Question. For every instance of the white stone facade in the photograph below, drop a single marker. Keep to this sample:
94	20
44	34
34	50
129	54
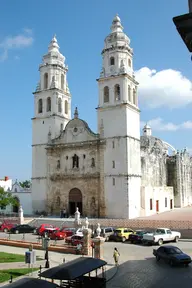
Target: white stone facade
108	174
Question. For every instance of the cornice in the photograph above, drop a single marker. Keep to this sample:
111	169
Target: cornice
124	175
62	176
118	105
118	76
52	89
62	146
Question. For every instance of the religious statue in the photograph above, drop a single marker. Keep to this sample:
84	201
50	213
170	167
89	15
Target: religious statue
98	230
86	223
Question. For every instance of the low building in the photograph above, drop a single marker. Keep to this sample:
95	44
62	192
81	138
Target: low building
22	195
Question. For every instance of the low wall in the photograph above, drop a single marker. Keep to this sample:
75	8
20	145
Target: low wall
22	244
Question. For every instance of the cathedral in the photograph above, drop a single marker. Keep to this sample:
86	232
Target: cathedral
114	173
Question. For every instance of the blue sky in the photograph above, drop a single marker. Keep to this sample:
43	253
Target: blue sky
81	26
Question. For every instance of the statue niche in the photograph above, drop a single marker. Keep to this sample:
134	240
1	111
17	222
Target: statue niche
75	159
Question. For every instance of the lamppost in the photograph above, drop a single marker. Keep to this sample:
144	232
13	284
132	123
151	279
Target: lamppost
183	24
46	247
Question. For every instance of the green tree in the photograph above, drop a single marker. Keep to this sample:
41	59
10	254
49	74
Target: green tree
6	198
25	184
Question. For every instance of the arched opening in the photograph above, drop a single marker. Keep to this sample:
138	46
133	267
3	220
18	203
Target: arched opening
129	93
106	94
134	97
48	104
129	62
46	81
117	92
40	106
16	206
75	161
112	61
59	105
75	200
62	81
61	127
66	107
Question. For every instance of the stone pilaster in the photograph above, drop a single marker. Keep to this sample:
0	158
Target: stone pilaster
87	249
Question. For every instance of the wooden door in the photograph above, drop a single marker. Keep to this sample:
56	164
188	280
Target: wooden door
157	205
171	204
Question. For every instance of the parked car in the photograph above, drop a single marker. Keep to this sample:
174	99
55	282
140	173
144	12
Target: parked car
25	228
6	226
160	236
74	240
41	229
172	255
138	236
106	232
121	234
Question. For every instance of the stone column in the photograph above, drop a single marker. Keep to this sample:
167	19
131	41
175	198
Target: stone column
98	244
77	221
21	218
87	249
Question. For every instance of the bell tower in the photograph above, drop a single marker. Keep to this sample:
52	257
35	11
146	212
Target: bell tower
52	111
119	123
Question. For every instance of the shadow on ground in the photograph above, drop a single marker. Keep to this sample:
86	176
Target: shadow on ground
149	274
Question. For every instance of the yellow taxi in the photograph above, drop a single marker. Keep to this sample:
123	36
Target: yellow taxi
123	234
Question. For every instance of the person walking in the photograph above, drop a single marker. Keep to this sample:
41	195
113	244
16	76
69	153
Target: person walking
116	255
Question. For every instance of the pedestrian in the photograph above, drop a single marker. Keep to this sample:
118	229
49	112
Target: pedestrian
64	213
116	255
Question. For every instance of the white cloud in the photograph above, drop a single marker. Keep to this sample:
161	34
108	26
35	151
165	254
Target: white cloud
166	88
157	124
28	30
14	42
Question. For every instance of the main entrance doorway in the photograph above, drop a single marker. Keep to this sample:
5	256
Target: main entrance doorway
75	200
16	206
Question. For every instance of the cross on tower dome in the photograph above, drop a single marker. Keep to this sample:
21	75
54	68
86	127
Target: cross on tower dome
76	114
53	46
116	24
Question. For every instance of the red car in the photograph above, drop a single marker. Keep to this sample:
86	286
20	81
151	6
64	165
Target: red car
62	233
74	240
46	228
6	226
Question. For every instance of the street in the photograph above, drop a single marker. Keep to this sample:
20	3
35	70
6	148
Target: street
138	267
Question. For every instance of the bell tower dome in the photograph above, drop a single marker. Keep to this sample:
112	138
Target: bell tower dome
119	124
52	111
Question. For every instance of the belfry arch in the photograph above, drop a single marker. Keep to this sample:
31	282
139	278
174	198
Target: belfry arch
75	200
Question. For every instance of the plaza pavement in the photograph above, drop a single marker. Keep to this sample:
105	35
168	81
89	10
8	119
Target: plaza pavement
137	268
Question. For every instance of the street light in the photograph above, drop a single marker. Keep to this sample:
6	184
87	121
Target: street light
183	24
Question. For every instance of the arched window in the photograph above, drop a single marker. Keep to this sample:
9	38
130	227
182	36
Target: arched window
59	105
58	202
40	106
129	93
134	97
112	61
61	127
129	62
46	81
92	162
62	81
106	94
117	92
75	161
58	164
48	104
66	107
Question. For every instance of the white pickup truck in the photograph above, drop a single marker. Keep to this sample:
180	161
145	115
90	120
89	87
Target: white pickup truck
160	236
